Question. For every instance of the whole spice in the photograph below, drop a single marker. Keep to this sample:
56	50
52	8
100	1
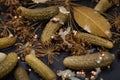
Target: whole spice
9	2
50	50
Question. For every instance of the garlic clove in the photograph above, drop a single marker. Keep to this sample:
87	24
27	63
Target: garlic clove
2	56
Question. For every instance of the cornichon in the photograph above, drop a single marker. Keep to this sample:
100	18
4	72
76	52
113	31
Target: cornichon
52	27
8	64
39	67
21	74
103	5
89	61
7	42
38	14
95	40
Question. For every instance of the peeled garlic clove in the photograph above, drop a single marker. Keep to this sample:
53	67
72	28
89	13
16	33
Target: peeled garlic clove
2	56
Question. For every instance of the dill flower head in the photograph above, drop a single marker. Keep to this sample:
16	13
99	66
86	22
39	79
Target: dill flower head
9	2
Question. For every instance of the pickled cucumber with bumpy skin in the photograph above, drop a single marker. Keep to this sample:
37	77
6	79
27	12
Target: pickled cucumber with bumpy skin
8	64
103	5
7	42
38	14
39	67
95	40
89	61
21	74
52	27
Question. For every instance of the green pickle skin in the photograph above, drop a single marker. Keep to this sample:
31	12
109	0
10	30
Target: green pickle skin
88	61
21	73
7	42
51	27
8	64
95	40
39	13
39	67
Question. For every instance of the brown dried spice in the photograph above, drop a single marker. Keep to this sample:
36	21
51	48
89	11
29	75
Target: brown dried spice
47	49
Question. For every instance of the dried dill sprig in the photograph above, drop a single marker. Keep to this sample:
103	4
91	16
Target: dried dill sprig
27	48
9	2
23	33
79	45
11	5
117	23
5	30
33	46
116	2
72	43
16	21
18	26
22	28
49	50
114	18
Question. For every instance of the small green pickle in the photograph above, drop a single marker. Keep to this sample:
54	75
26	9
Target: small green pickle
8	64
7	42
89	61
39	67
21	74
39	13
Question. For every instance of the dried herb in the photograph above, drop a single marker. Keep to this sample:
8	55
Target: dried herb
9	2
87	18
49	50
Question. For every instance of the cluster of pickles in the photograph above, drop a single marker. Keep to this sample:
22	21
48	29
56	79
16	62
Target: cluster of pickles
95	32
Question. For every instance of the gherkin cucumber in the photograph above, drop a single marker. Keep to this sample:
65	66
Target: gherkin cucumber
95	40
21	73
8	64
38	14
7	42
52	27
39	67
89	61
103	5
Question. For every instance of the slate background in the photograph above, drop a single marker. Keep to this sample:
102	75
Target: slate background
107	74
